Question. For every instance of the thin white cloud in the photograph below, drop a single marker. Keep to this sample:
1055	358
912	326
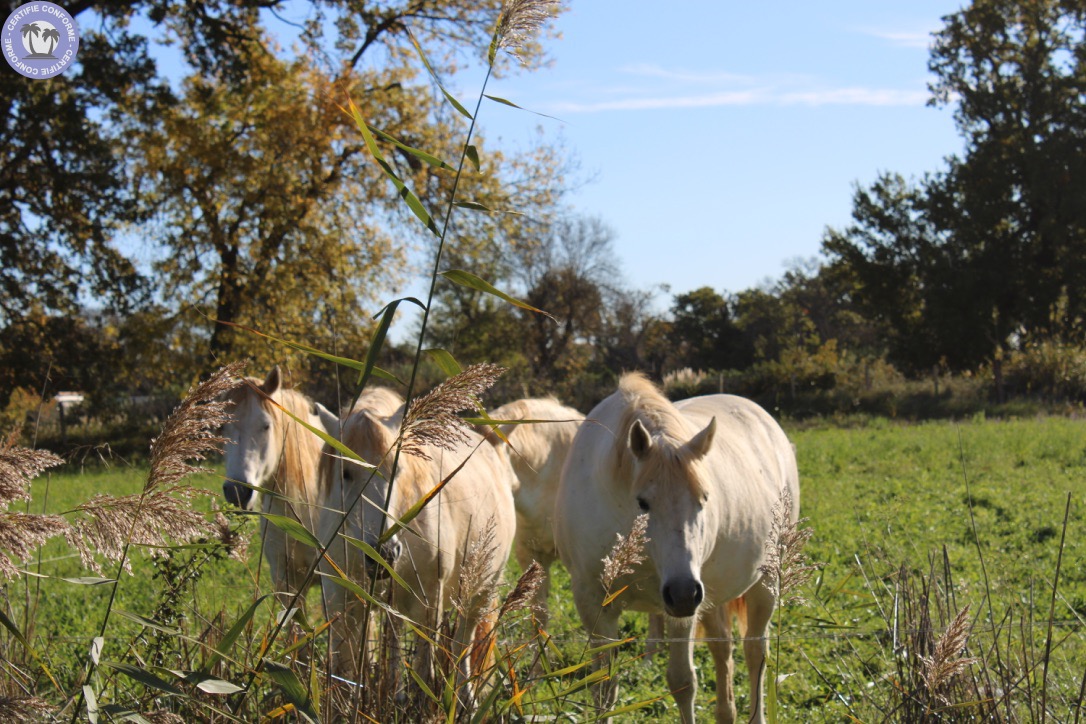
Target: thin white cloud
920	39
765	96
649	70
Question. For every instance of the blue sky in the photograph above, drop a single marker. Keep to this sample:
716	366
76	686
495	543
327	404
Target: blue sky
723	137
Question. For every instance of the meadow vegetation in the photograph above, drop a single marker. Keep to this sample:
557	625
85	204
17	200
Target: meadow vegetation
890	505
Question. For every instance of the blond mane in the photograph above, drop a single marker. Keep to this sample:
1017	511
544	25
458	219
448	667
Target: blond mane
643	401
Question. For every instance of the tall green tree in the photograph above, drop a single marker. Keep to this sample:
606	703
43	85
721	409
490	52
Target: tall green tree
976	257
703	333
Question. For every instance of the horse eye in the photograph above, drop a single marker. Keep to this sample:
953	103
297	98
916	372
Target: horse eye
347	475
267	426
642	504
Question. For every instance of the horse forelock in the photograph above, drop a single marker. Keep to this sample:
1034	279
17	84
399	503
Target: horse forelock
669	429
371	437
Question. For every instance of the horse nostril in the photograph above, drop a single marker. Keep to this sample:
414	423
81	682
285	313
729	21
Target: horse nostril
235	494
682	598
669	601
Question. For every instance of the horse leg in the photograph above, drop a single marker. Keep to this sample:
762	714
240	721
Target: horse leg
656	636
760	602
602	626
718	628
682	679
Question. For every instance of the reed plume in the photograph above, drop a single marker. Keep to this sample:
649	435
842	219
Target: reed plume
476	584
944	665
518	25
523	594
432	420
163	511
22	533
626	554
785	558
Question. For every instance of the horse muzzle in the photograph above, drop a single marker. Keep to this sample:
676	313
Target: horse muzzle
682	596
237	494
390	552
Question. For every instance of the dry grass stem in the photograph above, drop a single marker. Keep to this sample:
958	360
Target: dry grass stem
432	418
519	23
21	534
190	432
945	664
785	558
20	709
626	554
523	594
18	466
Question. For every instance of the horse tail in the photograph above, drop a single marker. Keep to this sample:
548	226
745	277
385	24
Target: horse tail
738	608
482	646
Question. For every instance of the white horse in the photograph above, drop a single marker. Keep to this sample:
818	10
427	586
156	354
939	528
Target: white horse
272	465
471	518
708	472
538	453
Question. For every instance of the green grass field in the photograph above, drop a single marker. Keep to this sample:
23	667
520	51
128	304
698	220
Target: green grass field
889	506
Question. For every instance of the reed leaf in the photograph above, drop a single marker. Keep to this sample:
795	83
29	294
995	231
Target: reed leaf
145	677
430	69
228	639
469	280
413	202
292	687
291	527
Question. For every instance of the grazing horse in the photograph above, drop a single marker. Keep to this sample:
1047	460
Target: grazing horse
272	465
468	525
537	455
708	472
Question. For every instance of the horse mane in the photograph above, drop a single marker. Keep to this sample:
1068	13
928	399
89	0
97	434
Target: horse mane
381	401
643	401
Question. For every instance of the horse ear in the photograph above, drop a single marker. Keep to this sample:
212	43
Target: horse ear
273	381
701	443
639	440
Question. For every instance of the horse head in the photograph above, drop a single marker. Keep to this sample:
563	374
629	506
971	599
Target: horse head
371	436
668	485
255	448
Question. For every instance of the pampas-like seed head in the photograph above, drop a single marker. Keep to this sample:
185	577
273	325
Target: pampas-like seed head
18	466
190	431
523	594
945	664
21	534
233	540
154	519
518	24
432	418
626	554
785	566
163	512
476	584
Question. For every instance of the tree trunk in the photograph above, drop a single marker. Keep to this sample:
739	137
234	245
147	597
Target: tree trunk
221	346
